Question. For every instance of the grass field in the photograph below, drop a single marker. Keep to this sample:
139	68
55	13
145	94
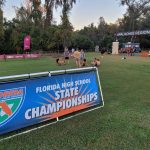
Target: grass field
123	123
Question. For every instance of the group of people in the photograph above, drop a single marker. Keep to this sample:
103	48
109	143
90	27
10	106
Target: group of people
79	57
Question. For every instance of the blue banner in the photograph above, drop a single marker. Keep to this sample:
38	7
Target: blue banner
28	102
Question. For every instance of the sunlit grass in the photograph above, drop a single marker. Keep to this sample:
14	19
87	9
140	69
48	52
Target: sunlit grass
124	122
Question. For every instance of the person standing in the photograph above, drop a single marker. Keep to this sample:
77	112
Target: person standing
82	58
66	54
82	55
76	55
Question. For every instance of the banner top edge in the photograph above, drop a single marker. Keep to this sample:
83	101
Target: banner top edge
45	73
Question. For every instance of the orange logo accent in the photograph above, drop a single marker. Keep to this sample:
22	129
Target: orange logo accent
5	108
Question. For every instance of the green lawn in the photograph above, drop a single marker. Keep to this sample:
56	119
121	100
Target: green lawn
123	123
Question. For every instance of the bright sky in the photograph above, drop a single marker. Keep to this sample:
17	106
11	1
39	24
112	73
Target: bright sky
83	13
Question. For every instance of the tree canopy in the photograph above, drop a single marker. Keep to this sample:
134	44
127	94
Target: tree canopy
36	19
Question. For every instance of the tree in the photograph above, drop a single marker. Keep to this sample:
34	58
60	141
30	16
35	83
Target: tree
82	41
36	13
102	31
1	18
1	23
49	5
136	9
66	26
91	33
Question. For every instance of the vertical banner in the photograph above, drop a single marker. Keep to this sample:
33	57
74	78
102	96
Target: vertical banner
27	42
35	100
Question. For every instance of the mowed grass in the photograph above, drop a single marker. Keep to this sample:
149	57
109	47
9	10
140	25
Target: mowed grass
123	123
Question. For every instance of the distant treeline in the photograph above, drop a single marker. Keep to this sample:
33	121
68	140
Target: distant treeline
37	20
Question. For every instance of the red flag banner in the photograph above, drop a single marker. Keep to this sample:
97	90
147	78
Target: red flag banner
27	41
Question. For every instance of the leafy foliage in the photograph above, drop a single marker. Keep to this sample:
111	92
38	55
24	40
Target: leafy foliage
36	20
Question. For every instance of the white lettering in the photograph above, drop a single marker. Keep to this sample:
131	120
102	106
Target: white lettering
47	88
61	105
43	111
66	93
51	108
85	81
27	114
35	112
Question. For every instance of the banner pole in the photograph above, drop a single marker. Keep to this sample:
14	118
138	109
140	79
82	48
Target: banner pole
100	85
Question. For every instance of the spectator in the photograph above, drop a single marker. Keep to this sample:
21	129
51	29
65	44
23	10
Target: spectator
66	54
60	61
95	62
76	55
82	56
84	62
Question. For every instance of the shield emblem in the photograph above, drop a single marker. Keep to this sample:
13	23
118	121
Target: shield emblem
11	101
